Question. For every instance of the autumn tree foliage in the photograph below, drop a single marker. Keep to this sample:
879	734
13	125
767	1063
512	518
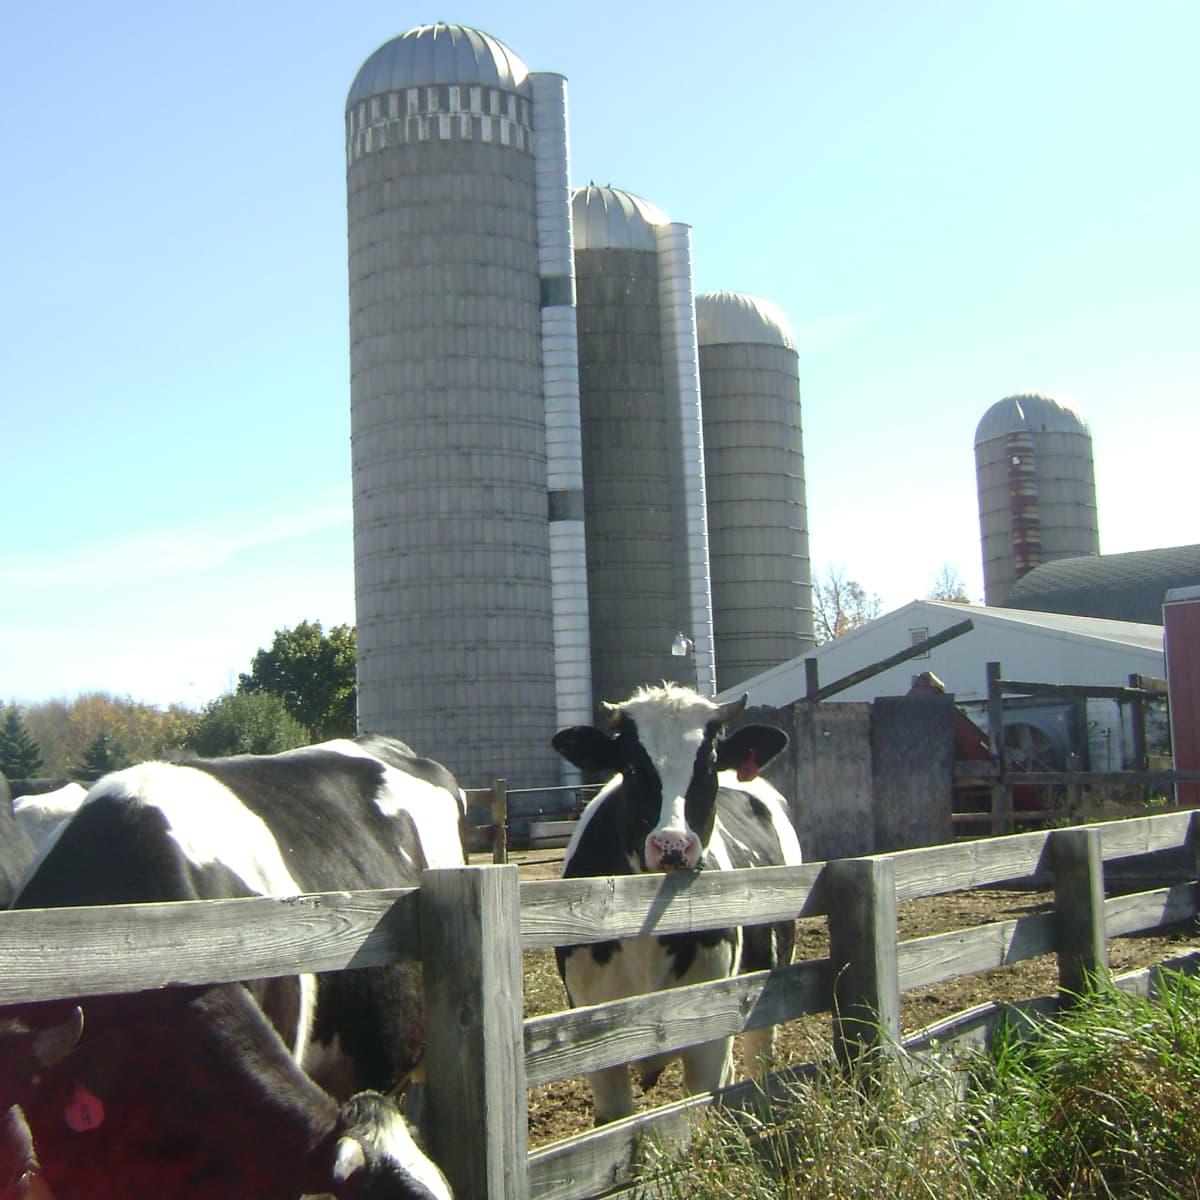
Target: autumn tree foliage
840	604
65	729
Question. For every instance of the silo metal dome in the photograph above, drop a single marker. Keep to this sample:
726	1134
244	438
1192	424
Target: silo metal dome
434	54
733	318
1037	488
754	472
448	423
609	219
1031	412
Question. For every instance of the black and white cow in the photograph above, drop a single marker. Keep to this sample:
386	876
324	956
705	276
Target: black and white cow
683	797
269	1090
42	811
16	848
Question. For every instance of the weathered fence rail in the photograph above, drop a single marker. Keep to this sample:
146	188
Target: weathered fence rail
469	926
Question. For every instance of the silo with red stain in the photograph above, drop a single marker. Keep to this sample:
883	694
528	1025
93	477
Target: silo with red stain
1037	489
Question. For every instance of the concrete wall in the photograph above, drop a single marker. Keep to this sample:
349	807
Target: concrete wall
912	754
865	778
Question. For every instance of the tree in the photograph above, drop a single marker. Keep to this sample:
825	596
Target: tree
103	755
20	755
313	674
65	729
949	586
240	723
841	604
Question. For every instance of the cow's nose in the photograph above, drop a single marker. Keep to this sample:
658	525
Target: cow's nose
672	850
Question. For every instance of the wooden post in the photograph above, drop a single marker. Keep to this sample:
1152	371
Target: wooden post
862	956
1137	719
1002	798
475	1050
500	821
1082	941
812	678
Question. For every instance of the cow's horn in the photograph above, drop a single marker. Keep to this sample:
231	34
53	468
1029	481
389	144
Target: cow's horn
52	1045
348	1158
726	712
612	712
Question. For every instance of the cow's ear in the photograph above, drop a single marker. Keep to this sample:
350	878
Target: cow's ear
749	749
588	748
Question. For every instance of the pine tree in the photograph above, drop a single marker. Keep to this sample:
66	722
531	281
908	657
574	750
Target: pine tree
20	755
103	755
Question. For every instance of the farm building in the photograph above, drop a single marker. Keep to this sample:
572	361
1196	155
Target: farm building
1046	647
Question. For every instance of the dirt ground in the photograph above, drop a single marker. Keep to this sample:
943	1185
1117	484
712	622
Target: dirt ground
563	1108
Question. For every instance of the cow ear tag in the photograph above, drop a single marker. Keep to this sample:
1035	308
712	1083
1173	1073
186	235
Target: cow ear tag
85	1111
749	768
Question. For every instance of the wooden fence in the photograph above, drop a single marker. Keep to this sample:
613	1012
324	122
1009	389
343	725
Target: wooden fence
470	925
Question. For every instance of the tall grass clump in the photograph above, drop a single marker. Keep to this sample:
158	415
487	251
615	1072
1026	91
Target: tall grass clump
1103	1101
1100	1102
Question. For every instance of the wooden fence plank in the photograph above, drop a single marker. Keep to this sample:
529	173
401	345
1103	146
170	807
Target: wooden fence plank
564	912
941	956
62	952
1149	910
934	870
605	1035
1145	835
471	955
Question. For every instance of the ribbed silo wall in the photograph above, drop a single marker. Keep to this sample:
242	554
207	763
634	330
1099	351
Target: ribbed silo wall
452	578
630	440
757	512
1037	503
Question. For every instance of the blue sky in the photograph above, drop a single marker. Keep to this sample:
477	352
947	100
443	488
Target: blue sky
952	201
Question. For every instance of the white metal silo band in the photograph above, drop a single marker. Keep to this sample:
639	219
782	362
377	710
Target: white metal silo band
678	305
560	390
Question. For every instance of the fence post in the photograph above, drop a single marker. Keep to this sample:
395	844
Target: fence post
862	956
500	821
1082	940
1002	797
475	1048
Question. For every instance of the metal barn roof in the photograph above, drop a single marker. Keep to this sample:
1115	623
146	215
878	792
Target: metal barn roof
1123	587
1033	646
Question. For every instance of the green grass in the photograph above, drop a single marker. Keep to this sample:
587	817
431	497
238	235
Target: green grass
1103	1102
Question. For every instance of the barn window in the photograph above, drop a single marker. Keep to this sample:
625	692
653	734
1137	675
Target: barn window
916	637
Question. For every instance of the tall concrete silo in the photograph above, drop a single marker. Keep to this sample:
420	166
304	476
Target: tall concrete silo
462	352
643	453
754	468
1037	489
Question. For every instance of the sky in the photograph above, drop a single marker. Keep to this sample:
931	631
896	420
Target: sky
952	201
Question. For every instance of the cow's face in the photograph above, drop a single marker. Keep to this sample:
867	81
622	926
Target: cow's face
667	744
